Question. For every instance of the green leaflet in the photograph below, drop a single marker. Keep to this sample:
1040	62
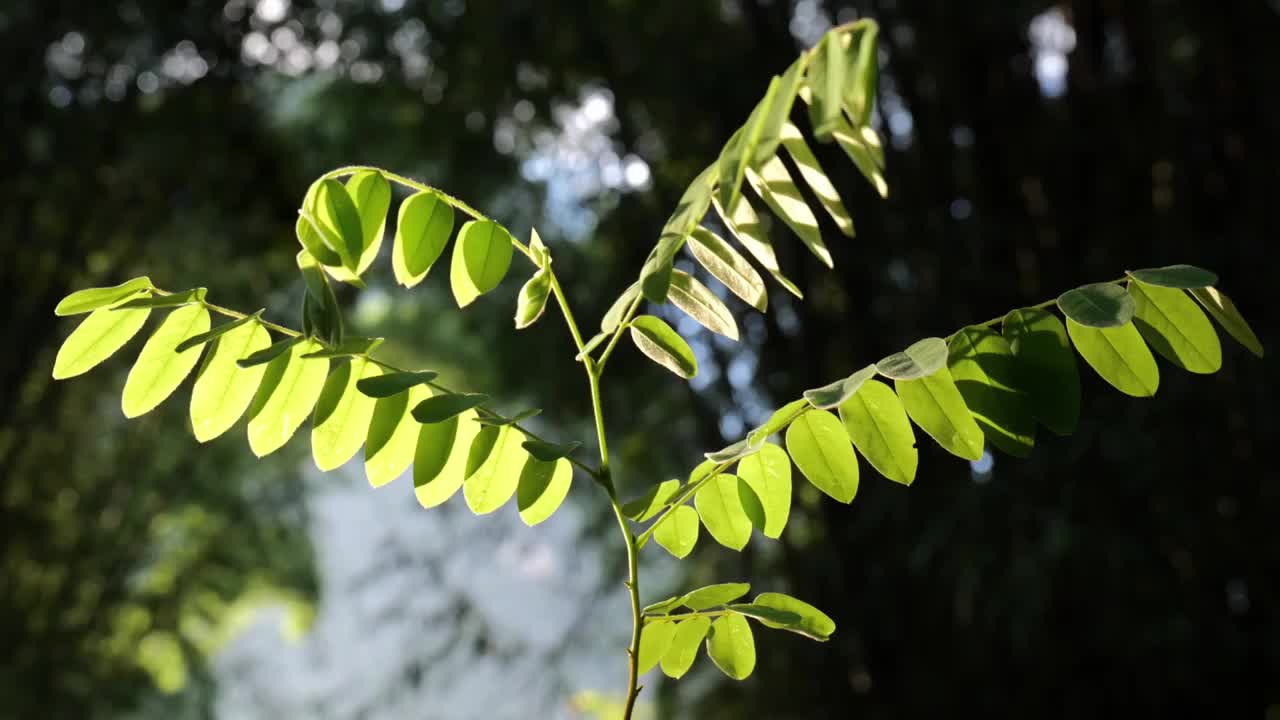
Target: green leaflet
289	390
862	145
321	315
860	94
820	447
1176	328
533	299
96	339
89	299
729	267
683	649
481	258
679	533
493	483
438	408
215	333
780	419
878	426
652	502
983	366
590	346
547	452
732	647
1119	355
160	369
272	351
392	438
711	596
835	394
349	347
768	474
655	638
720	505
333	206
422	230
172	300
780	618
613	316
1182	277
1098	305
739	153
663	345
393	383
662	607
542	488
735	451
813	622
371	194
744	224
342	415
826	83
701	304
1046	368
1225	312
440	460
774	184
935	404
779	110
922	358
655	275
223	389
816	178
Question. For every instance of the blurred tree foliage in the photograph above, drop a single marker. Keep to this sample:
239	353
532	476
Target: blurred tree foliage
1130	567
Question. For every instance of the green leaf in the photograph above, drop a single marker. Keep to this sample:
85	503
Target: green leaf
813	622
1046	368
393	383
289	390
613	317
342	415
655	276
816	178
422	231
835	394
493	483
215	333
826	81
97	338
392	438
1099	305
861	146
547	452
441	407
729	267
779	111
440	460
711	596
662	345
985	372
1181	277
860	94
719	504
744	224
1119	355
542	488
655	638
223	389
652	502
353	347
159	369
735	451
820	447
1225	312
779	420
732	647
878	426
322	317
533	299
774	184
590	346
740	151
662	607
481	258
89	299
764	613
334	209
683	649
541	254
315	236
1176	328
172	300
271	352
371	194
923	358
935	404
768	474
701	304
679	532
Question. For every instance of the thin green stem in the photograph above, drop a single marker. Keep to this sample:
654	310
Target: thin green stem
681	499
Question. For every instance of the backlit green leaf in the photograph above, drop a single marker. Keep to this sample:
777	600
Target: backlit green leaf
774	184
533	299
734	451
826	81
342	415
349	347
679	532
393	383
440	460
779	420
1183	277
1099	305
96	339
1176	328
223	389
439	408
719	504
820	447
613	317
732	647
542	488
652	502
289	390
160	369
493	483
923	358
272	351
655	638
334	207
711	596
662	345
547	452
744	224
481	258
392	437
860	88
813	622
835	394
172	300
1046	367
729	267
662	607
768	474
701	304
764	613
371	194
935	404
655	275
740	151
422	231
1119	355
878	426
215	333
779	110
683	649
1225	312
861	145
985	372
321	315
816	177
89	299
